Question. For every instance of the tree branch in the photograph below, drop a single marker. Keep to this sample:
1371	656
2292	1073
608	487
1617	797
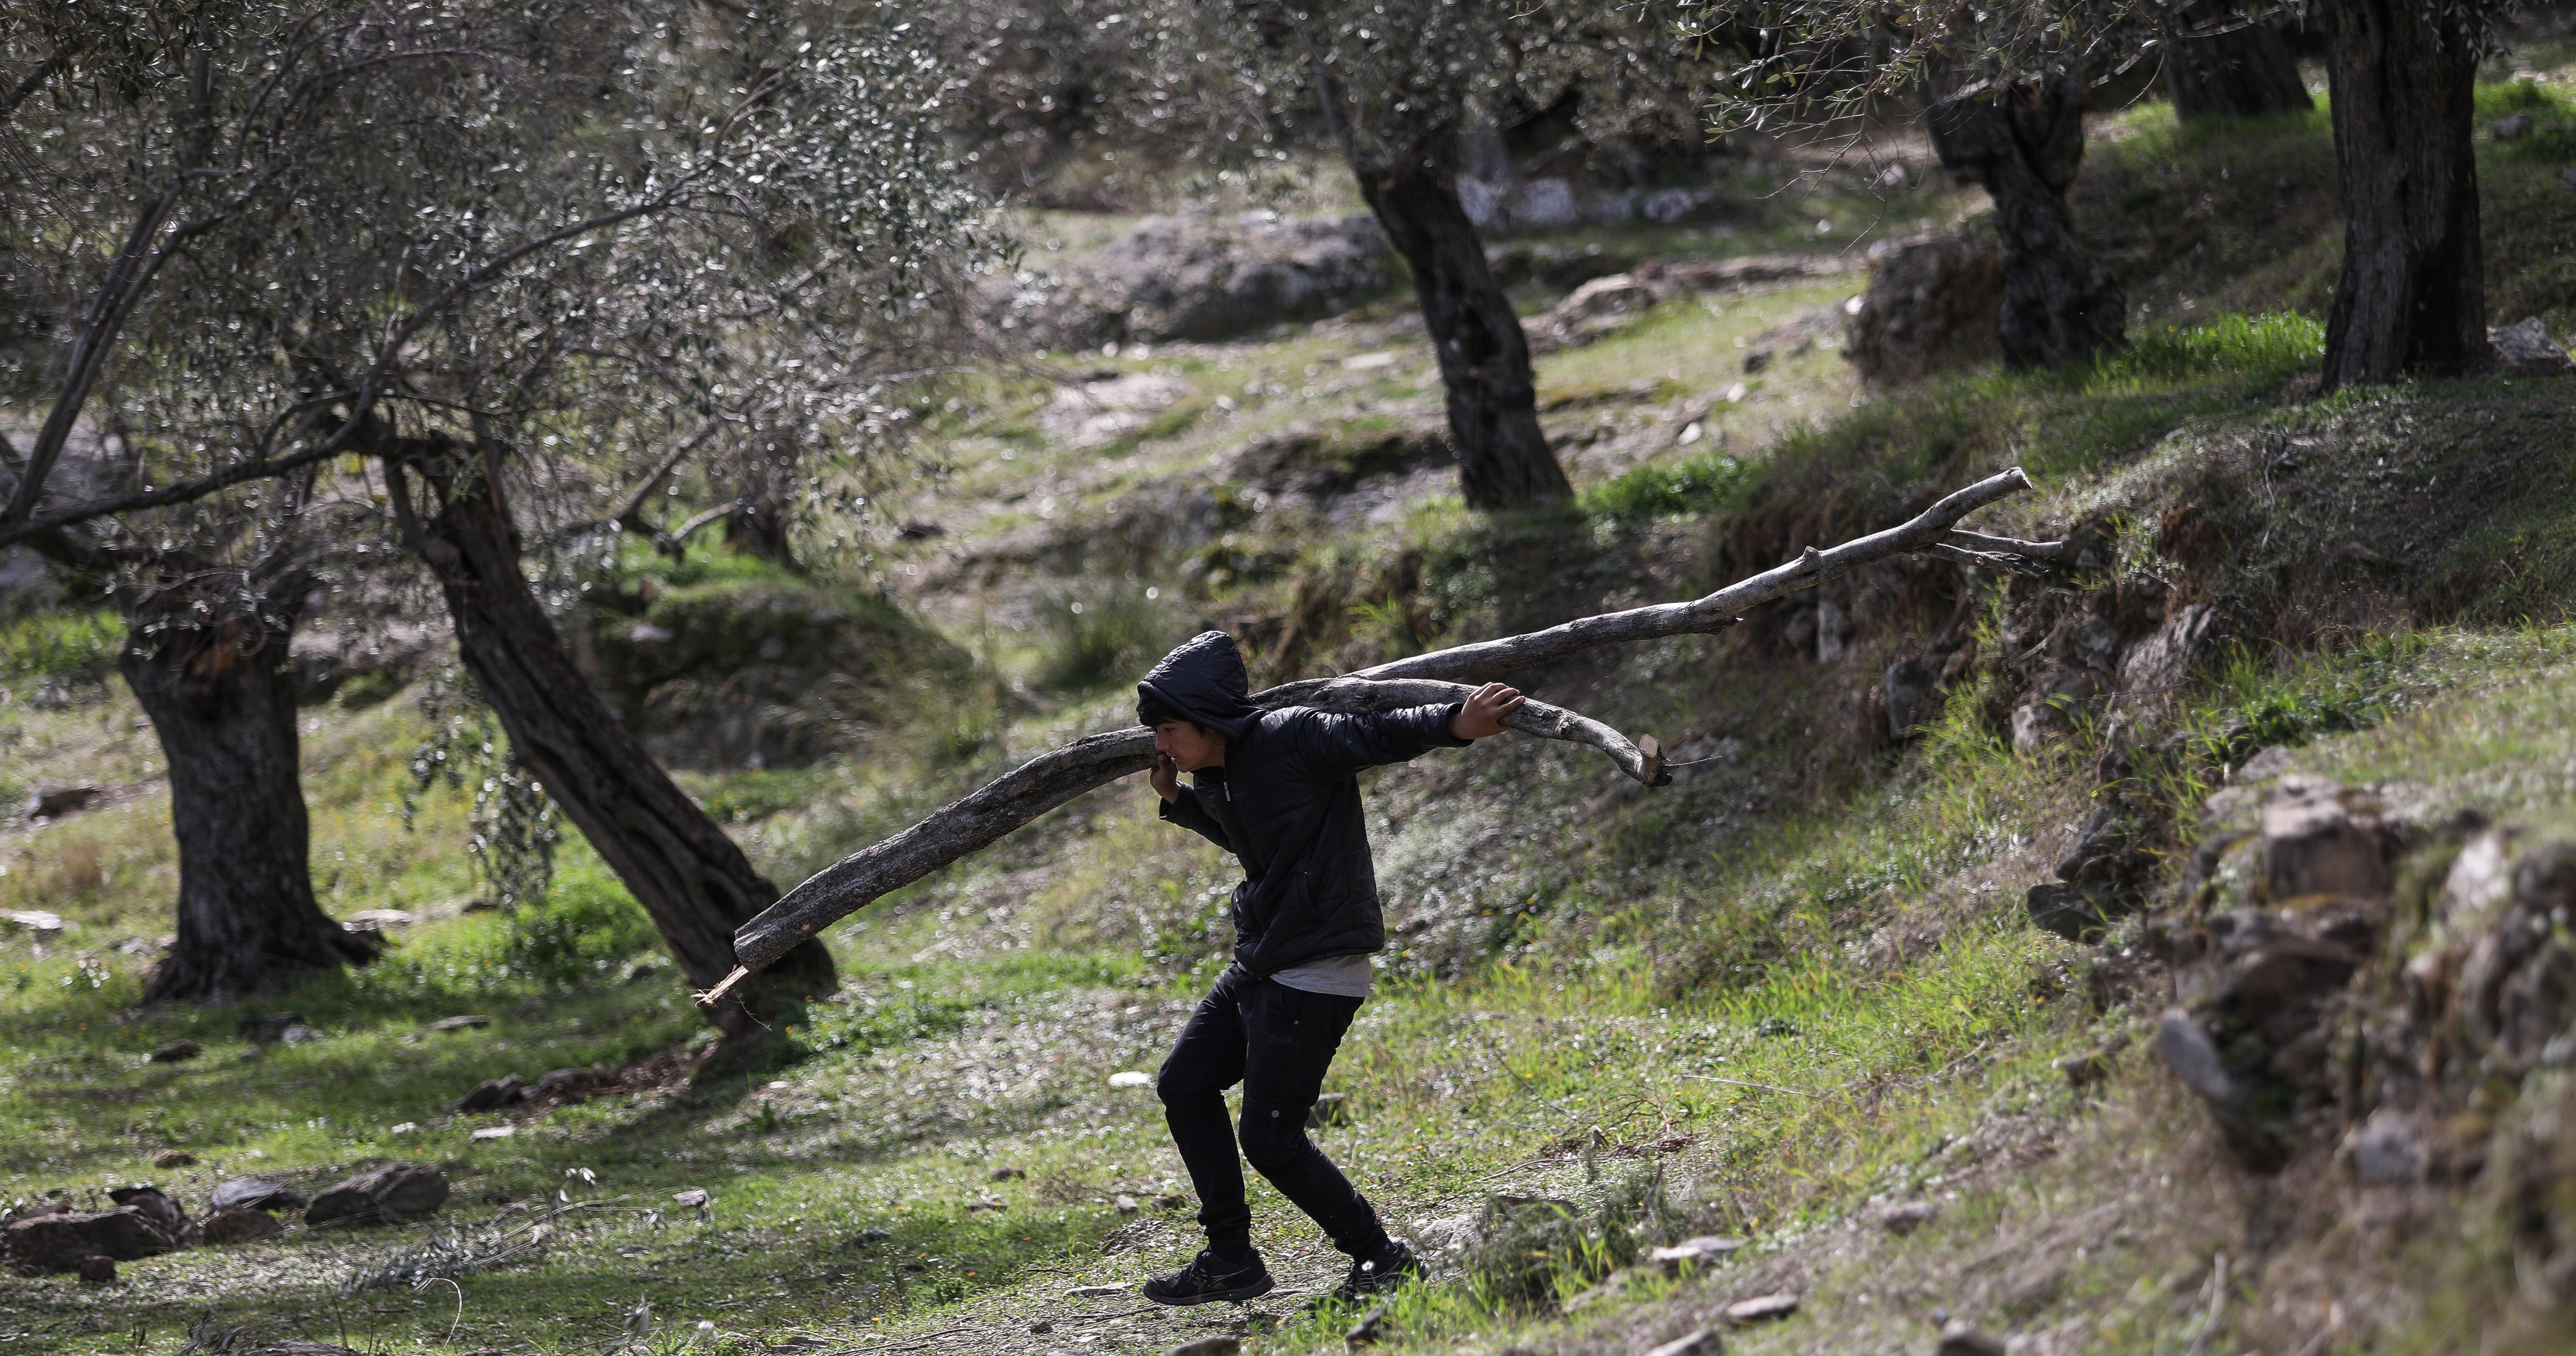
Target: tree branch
1051	779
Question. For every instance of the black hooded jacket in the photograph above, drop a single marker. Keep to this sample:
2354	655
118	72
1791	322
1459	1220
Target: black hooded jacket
1287	804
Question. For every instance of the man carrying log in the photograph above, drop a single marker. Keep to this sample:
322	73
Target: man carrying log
1278	789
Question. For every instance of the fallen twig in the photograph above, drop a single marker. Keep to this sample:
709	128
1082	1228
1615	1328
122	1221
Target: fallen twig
1744	1083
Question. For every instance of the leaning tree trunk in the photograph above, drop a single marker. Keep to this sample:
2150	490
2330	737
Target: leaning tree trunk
1503	458
2024	141
222	699
2248	71
687	874
2412	296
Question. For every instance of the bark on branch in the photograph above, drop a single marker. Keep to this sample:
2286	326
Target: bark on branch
1045	782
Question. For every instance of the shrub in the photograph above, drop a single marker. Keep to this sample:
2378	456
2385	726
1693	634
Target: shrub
1098	635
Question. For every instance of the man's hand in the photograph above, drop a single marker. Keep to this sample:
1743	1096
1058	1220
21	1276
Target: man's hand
1482	713
1166	777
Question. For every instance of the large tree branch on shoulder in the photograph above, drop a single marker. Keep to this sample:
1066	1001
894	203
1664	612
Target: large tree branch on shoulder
1051	779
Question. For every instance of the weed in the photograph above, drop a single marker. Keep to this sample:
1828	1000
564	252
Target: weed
1101	634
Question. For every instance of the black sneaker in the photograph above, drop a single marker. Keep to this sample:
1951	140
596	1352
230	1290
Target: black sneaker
1206	1278
1372	1276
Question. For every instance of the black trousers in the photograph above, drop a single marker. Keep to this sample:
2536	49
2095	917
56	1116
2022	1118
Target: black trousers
1277	1042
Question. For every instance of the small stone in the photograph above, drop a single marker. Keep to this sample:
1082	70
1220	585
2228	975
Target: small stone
494	1093
1697	1342
392	1193
1041	1328
1958	1339
259	1193
2086	1071
869	1237
1130	1078
1171	1200
462	1022
1906	1217
241	1224
494	1132
1694	1252
174	1158
1125	1204
988	1203
97	1270
695	1198
480	906
1222	1344
175	1051
1096	1291
2386	1150
1009	1174
561	1085
2514	128
1756	360
1762	1308
301	1035
1365	1332
378	920
32	920
54	802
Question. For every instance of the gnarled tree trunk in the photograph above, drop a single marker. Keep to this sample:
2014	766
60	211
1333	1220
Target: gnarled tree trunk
1503	459
2412	295
2024	141
2246	71
687	874
222	701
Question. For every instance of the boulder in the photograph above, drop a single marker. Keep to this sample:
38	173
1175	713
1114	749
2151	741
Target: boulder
494	1093
59	1241
1932	306
1590	311
163	1212
2524	348
241	1224
257	1193
392	1193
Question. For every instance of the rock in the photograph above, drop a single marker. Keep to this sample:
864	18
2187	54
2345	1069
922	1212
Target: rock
494	1132
300	1034
2524	348
174	1051
1958	1339
494	1093
696	1198
2039	726
1590	311
1697	1342
1932	306
2091	1069
1041	1328
1222	1344
54	802
266	1030
2265	765
32	920
462	1022
1009	1174
562	1085
258	1193
1762	1308
378	920
1130	1078
1125	1204
1910	694
869	1237
174	1158
2313	844
97	1270
2060	908
1330	1109
163	1212
2513	128
1171	1200
2160	663
390	1194
1906	1216
1096	1291
58	1241
241	1224
1756	360
1204	279
2194	1058
2386	1150
1366	1332
1694	1252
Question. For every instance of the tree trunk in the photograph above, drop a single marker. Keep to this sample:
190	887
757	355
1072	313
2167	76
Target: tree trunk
222	700
2412	296
687	874
2247	72
1503	459
2024	142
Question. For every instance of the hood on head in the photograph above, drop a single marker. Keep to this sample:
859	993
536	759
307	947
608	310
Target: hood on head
1205	681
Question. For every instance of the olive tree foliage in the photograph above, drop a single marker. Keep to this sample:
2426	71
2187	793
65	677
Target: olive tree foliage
537	264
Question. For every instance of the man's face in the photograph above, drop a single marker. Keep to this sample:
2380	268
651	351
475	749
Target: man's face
1189	747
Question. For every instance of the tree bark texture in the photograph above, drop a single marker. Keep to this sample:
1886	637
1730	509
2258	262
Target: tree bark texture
1051	779
2248	71
1503	457
691	878
221	697
2412	295
2024	141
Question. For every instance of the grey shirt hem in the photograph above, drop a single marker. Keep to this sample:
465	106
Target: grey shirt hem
1343	976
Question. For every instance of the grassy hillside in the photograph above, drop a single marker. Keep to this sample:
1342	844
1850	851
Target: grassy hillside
1795	998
